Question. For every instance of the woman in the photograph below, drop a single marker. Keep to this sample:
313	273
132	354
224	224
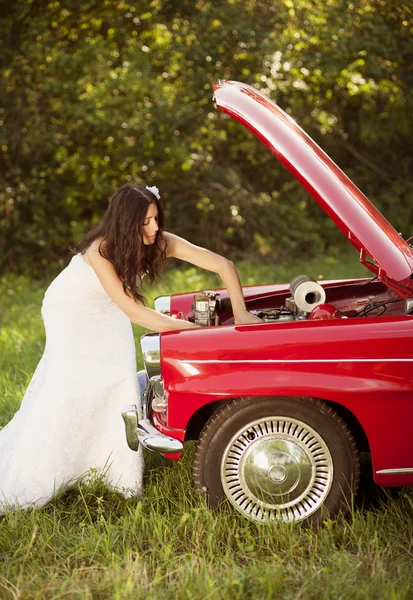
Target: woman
70	418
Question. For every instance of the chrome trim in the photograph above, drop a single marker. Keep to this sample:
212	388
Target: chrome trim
154	440
293	361
146	434
151	352
130	416
163	304
157	386
395	471
408	307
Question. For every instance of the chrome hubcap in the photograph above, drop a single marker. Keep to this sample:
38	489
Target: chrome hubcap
277	469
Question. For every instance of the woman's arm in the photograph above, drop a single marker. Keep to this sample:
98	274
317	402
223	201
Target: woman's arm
139	314
177	247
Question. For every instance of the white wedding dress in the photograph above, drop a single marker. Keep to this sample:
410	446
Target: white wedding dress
70	418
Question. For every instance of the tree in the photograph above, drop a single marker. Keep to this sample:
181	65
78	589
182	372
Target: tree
100	92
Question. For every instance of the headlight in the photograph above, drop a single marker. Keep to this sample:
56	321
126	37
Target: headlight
163	304
159	401
151	346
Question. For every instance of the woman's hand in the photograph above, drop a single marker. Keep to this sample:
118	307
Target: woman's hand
183	323
244	317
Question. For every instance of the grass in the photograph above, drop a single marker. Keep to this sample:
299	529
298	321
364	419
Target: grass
91	543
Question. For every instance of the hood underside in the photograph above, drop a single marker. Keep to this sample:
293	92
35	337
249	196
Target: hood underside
359	220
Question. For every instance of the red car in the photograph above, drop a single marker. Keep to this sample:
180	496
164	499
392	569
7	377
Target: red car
281	410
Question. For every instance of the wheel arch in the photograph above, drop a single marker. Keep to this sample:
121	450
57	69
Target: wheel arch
352	423
200	418
202	415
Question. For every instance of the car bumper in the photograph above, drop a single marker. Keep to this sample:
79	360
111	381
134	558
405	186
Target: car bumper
144	433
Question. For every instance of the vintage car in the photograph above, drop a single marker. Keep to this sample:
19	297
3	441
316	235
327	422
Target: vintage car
281	410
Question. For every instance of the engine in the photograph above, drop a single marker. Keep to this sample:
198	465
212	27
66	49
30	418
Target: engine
306	295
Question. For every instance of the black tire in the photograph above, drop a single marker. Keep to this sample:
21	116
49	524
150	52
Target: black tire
289	459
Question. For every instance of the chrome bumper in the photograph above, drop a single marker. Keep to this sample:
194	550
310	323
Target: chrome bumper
143	432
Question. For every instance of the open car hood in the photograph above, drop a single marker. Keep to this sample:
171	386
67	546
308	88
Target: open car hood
359	220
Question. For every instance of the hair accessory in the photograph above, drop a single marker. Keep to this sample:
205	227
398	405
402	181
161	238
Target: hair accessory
154	191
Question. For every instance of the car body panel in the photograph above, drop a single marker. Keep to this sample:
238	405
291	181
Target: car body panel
350	364
360	221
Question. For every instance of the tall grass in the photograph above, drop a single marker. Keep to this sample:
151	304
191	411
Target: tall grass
91	543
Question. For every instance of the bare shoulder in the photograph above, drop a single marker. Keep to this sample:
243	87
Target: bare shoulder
92	253
99	263
168	242
173	242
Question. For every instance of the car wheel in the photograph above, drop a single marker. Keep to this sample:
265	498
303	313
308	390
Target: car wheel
289	459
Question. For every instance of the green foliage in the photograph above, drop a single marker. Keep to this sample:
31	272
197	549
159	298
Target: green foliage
96	93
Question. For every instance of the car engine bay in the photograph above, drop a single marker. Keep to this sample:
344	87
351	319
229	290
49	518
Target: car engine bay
309	301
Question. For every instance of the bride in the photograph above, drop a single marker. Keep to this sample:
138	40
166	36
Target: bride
70	418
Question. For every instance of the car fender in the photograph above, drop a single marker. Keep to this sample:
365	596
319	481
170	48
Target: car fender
346	362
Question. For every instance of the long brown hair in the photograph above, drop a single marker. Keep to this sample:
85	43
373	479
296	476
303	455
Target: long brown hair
122	244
